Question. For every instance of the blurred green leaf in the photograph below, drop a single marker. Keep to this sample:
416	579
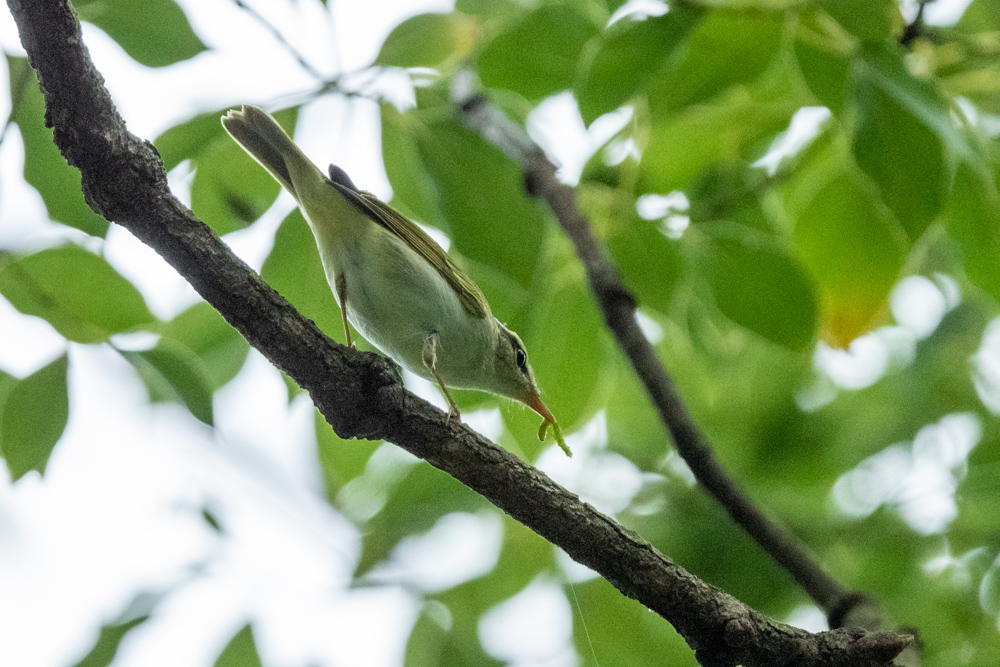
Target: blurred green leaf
230	190
899	139
104	651
45	169
634	427
973	219
868	20
33	417
172	371
414	506
980	16
523	556
854	252
341	460
481	194
220	347
155	33
496	10
76	292
7	382
241	651
412	187
759	285
190	139
725	49
621	632
649	262
681	147
629	56
425	645
294	269
823	57
569	348
427	40
538	55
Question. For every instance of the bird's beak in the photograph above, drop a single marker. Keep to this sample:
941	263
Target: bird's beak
534	401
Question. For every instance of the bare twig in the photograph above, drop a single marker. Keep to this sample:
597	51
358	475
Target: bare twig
361	394
619	306
914	28
295	53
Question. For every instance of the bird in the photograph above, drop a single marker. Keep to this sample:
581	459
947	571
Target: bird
393	282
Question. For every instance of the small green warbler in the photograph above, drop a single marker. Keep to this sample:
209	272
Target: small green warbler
393	282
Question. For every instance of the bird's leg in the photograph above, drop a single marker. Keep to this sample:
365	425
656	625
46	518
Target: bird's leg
342	297
430	361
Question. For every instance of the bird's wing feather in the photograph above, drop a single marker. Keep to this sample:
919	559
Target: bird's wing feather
469	294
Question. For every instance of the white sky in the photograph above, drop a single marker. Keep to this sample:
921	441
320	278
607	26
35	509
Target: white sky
118	510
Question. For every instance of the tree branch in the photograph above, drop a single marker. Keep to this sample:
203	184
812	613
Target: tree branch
619	308
361	394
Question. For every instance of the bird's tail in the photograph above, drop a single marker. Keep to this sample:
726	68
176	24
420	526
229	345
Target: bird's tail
262	137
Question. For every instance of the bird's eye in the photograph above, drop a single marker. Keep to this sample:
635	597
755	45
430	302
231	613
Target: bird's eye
521	357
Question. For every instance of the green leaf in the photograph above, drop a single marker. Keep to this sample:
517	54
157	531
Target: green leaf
414	506
412	188
899	139
823	57
629	56
523	556
428	638
682	146
980	16
172	371
537	56
620	631
241	651
190	139
569	349
33	418
634	427
45	169
76	292
294	269
760	286
7	383
491	10
230	190
725	49
649	261
427	40
104	651
973	219
868	20
854	252
341	460
481	194
220	347
155	33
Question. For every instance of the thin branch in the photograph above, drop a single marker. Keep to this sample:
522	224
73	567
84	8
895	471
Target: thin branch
361	394
295	53
619	308
914	28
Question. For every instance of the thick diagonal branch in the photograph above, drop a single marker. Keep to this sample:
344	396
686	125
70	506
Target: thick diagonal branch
361	395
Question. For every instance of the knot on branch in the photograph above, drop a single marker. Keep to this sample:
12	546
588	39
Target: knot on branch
738	633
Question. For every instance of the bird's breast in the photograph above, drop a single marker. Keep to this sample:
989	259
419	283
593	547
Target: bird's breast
396	300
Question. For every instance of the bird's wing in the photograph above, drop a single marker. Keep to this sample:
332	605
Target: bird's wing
469	294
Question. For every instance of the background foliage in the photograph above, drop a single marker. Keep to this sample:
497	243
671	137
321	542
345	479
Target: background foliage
748	282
